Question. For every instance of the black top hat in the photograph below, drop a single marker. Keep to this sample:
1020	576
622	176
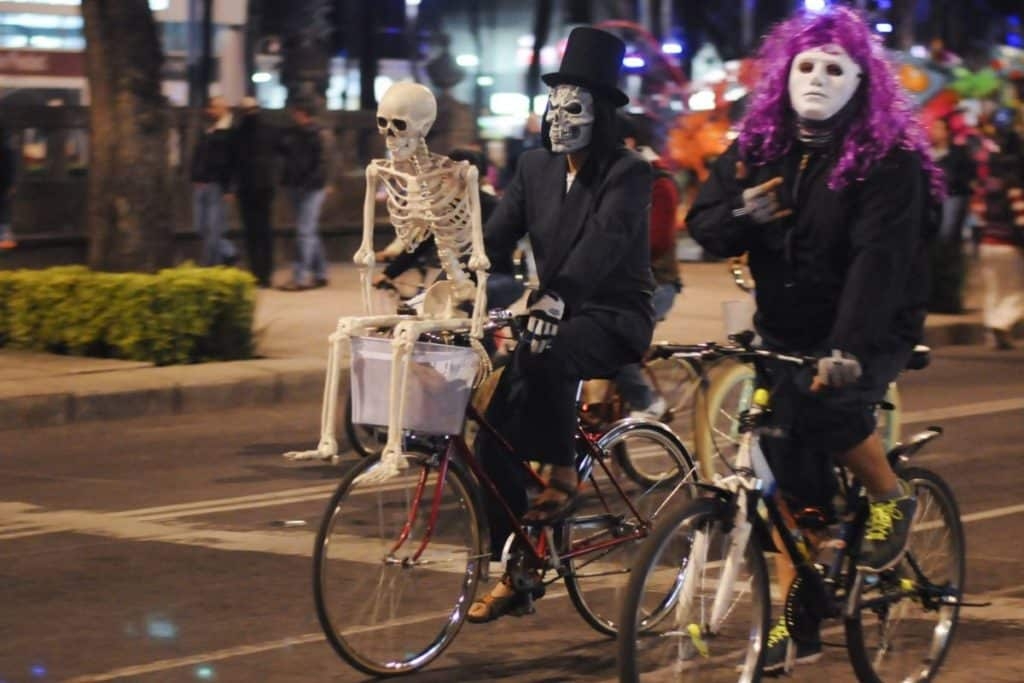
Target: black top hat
592	60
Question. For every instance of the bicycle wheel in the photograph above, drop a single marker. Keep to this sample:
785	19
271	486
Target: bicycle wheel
366	440
676	381
903	620
605	531
394	570
890	420
672	628
717	416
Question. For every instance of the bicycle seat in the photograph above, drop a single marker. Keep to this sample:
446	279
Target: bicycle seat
920	358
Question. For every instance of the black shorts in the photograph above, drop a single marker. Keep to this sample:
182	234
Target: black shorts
812	428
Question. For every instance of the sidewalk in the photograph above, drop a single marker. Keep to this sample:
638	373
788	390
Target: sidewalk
291	331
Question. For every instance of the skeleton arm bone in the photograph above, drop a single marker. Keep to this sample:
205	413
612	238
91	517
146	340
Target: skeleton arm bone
478	261
364	256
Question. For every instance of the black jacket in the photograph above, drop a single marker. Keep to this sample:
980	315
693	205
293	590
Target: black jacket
255	154
846	270
211	159
590	244
305	158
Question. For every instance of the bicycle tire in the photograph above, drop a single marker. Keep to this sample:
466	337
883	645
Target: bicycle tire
365	440
717	413
596	580
664	632
397	620
904	639
676	381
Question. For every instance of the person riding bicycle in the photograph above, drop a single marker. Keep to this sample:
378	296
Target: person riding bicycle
827	188
583	201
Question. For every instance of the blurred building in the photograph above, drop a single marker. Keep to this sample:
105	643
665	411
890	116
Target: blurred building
42	45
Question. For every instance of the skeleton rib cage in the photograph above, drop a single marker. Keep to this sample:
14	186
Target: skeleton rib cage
435	203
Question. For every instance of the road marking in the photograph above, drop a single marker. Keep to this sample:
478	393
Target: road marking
963	410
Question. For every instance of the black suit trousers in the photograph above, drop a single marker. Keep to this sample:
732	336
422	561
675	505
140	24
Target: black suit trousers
534	408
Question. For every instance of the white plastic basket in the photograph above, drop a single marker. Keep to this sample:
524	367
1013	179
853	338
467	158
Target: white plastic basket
437	390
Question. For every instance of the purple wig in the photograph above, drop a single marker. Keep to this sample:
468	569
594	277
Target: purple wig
883	117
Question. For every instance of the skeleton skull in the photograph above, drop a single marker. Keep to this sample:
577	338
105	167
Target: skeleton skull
404	116
570	118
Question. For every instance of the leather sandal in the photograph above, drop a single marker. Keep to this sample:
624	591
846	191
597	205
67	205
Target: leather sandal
492	607
553	511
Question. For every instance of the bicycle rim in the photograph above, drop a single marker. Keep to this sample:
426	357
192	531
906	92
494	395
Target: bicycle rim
384	608
668	632
728	395
596	579
676	381
902	629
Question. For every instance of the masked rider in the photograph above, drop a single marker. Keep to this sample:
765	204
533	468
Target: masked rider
583	201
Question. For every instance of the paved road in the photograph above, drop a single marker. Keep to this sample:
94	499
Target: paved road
154	551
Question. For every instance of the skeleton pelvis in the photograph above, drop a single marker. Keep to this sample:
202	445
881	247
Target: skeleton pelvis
442	298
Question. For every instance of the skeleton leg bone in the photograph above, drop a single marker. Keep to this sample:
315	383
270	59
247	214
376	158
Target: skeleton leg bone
327	448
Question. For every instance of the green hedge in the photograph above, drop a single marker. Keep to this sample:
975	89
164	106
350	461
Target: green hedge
179	315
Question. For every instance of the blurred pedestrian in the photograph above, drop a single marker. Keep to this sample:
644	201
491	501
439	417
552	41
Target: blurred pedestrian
1001	254
948	265
305	149
8	172
636	134
211	181
254	175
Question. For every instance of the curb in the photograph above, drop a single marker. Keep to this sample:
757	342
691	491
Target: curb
162	392
158	392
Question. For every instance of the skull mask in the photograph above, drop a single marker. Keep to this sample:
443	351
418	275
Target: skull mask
570	118
404	116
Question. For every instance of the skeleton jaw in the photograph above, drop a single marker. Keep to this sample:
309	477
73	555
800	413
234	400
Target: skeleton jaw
568	139
401	149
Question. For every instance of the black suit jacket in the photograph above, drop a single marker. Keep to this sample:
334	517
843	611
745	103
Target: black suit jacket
590	244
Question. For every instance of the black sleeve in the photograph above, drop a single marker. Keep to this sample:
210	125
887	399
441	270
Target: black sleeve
710	220
882	240
618	219
507	224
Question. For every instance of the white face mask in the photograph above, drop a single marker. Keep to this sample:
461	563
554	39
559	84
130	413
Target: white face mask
822	81
570	118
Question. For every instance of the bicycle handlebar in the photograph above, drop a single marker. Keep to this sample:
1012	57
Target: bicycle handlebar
740	348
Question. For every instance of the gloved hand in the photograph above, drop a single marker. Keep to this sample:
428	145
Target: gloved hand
838	370
542	325
760	202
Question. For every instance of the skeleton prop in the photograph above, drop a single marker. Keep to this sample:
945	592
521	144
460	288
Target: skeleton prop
427	194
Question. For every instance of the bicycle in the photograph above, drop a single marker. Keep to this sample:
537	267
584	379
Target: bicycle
396	565
707	557
729	393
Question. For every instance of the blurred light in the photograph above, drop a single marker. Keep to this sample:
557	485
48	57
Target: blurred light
883	27
814	5
884	4
262	77
732	134
675	105
46	42
633	62
672	49
37	670
467	60
161	629
702	100
205	673
412	3
1014	40
510	103
919	51
380	86
734	93
540	103
484	81
525	40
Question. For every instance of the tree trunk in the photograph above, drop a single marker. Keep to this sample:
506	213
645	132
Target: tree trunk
129	217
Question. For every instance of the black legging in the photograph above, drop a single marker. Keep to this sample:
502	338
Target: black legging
255	205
